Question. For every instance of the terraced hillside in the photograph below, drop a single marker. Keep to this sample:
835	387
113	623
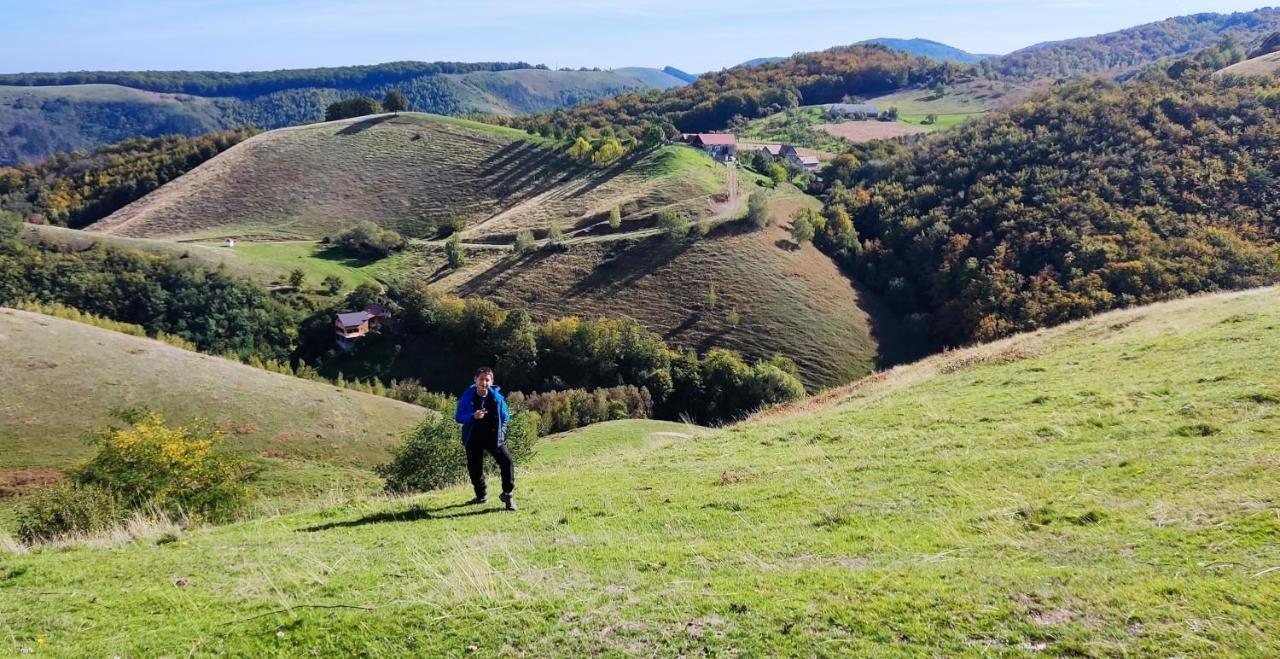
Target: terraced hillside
787	300
64	379
410	172
1105	488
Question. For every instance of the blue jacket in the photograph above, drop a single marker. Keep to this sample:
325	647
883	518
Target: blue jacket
466	407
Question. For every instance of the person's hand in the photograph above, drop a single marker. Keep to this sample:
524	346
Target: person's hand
479	414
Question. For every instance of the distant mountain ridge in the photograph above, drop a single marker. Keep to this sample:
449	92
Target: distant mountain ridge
1127	49
928	48
44	113
762	60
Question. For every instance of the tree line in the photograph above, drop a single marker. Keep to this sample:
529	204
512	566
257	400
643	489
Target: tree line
258	83
213	310
77	189
440	338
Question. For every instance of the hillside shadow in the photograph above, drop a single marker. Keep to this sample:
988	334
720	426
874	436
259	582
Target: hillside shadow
364	124
894	345
627	263
502	272
412	514
609	173
337	255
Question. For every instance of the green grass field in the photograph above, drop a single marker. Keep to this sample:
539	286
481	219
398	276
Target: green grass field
1106	488
317	262
48	363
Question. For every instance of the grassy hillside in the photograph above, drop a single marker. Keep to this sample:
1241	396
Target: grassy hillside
1104	488
789	301
49	363
410	172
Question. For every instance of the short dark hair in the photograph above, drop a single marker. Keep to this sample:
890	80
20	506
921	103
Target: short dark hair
482	370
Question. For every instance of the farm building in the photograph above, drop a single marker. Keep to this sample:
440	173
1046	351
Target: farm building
722	146
806	159
774	150
352	325
856	110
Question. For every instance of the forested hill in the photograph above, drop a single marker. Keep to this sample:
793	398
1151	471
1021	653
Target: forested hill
1094	197
753	91
256	83
43	113
1135	47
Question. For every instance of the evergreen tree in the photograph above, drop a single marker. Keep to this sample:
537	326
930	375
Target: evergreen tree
454	251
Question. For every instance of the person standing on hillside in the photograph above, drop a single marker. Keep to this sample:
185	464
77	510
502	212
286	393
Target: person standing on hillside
482	411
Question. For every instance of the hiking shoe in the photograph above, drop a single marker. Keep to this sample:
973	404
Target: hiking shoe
509	500
477	501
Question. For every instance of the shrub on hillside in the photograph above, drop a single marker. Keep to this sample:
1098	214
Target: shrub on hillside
368	240
455	252
432	456
65	508
674	224
758	209
147	466
181	470
524	243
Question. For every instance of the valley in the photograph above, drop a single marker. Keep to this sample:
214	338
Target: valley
880	349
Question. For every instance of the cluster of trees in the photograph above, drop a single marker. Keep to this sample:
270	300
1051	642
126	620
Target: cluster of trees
259	83
77	189
554	355
1134	47
605	145
714	100
559	411
214	311
359	106
368	240
1093	197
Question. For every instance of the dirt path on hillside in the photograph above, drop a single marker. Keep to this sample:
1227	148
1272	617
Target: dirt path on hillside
733	204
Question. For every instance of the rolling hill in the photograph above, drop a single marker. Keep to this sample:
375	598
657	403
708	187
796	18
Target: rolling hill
789	301
44	113
410	172
47	363
1125	50
927	48
1103	488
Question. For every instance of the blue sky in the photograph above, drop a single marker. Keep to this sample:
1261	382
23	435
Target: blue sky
694	35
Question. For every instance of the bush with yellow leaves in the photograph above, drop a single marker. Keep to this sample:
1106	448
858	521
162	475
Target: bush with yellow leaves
180	471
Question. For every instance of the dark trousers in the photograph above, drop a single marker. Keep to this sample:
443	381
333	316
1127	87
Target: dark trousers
476	449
